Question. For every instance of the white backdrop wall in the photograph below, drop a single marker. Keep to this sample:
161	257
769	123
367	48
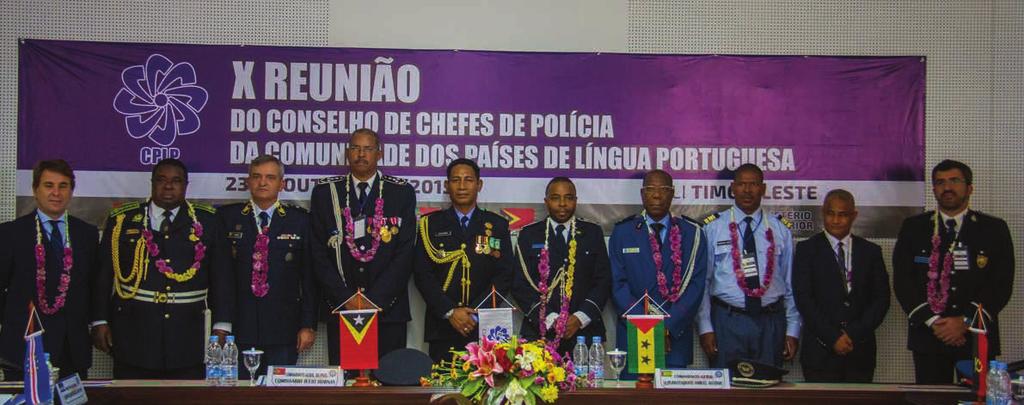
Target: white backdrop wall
975	85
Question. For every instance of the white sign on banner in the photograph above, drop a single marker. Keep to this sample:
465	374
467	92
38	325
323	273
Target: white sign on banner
299	376
703	378
495	323
71	391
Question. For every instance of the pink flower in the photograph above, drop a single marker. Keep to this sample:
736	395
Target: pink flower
482	357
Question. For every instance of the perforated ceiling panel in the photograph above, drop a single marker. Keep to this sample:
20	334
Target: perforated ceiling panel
974	94
278	22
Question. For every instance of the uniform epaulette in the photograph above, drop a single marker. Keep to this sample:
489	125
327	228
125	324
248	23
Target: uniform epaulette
204	207
784	221
690	220
626	219
393	179
431	213
331	179
124	208
712	217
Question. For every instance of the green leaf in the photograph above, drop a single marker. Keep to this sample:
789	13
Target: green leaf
496	395
470	388
531	400
535	389
527	382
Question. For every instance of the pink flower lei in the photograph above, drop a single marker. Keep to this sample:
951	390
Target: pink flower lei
676	241
260	261
376	224
544	270
938	283
736	260
65	277
199	249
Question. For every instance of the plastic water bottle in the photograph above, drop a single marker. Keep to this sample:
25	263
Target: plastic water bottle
994	394
1004	385
230	362
53	379
579	356
597	361
213	359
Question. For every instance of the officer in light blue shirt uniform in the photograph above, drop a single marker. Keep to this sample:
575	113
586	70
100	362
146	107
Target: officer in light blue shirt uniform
744	314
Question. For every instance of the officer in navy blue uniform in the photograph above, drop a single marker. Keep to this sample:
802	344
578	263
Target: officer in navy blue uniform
633	268
384	275
461	231
590	273
67	324
736	321
279	316
154	323
980	274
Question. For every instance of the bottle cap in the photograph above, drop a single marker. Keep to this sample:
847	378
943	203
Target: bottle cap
581	339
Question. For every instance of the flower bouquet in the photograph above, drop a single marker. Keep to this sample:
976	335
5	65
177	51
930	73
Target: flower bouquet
513	372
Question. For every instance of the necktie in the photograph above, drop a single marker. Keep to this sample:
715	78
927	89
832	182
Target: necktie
465	222
165	225
753	304
657	227
362	192
841	260
56	239
950	230
264	220
560	231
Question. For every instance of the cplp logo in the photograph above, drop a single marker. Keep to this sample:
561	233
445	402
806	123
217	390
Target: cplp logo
160	101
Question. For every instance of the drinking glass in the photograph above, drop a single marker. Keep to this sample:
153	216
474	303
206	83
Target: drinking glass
617	359
252	362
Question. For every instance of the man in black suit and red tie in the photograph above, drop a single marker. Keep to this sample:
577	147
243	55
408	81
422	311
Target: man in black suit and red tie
947	263
842	290
48	258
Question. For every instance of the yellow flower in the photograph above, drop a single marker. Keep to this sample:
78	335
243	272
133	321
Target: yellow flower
466	366
557	374
549	393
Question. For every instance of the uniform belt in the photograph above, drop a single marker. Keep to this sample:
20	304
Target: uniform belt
766	309
159	297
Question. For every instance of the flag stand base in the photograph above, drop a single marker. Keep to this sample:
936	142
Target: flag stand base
645	381
363	380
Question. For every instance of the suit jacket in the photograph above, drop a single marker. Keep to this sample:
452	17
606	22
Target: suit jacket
988	282
632	265
819	286
445	233
291	302
385	279
163	335
592	277
18	283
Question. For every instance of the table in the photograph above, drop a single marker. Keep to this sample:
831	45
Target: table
150	392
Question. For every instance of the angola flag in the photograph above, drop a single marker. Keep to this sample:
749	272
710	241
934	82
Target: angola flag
980	352
358	339
645	343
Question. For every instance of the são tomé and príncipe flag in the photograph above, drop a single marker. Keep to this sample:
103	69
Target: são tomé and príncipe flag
645	341
358	339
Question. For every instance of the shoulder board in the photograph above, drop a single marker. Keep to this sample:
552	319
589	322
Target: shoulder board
331	179
431	213
393	179
204	207
784	221
291	206
711	218
690	220
125	208
626	219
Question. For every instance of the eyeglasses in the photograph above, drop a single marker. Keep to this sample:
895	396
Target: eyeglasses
174	181
955	181
658	189
364	149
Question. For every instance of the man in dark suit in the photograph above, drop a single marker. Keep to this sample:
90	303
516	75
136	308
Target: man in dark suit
465	250
974	252
842	291
273	269
164	267
63	302
589	273
372	256
632	248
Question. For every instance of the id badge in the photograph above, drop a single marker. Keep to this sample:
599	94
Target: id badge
748	262
961	261
359	223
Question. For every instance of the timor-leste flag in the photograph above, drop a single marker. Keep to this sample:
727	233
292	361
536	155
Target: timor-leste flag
358	339
645	343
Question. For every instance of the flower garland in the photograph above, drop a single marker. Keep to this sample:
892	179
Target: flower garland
376	224
65	277
260	256
938	283
195	233
544	268
676	239
738	271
